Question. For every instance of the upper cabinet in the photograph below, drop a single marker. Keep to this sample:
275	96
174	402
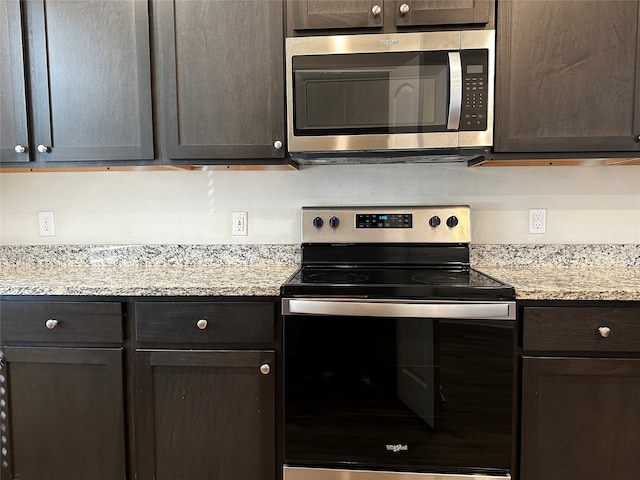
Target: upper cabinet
14	136
222	83
83	68
385	15
568	76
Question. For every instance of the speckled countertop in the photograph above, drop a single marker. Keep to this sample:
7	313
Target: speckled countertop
570	283
564	272
173	270
130	281
541	272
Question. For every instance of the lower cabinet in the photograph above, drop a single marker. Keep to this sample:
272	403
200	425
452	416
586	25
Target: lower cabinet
159	390
205	415
580	393
61	394
205	391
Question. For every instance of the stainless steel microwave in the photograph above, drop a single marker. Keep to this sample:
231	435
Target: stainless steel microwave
420	94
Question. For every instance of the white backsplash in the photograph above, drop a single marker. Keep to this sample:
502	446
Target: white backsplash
589	204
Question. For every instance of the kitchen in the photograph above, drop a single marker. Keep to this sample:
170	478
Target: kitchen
588	204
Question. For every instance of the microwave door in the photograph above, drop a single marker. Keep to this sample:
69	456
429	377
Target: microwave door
455	90
405	95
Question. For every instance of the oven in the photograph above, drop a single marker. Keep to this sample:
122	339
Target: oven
398	357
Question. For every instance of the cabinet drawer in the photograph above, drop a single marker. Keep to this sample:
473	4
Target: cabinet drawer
205	322
61	322
582	329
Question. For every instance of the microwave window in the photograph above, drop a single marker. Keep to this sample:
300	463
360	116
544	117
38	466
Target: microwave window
405	94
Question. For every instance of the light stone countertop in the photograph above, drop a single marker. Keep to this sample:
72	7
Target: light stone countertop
154	280
537	272
570	283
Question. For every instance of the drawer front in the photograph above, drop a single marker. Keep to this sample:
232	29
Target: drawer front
61	322
205	322
582	329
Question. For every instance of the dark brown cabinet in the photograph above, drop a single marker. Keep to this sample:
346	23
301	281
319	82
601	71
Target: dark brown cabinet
205	394
62	403
580	393
14	135
568	76
222	93
84	71
390	15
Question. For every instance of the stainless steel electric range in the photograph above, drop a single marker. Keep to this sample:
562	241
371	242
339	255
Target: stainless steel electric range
398	357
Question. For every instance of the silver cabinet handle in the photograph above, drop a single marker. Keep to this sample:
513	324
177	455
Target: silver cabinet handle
277	144
20	149
202	324
51	324
404	9
376	10
604	332
43	149
265	369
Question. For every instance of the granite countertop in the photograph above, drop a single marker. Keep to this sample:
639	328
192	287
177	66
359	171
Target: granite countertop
149	280
570	283
538	272
146	270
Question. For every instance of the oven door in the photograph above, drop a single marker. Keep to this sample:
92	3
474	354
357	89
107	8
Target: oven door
397	386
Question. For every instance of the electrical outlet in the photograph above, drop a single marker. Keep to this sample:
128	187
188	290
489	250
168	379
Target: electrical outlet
239	223
538	220
46	223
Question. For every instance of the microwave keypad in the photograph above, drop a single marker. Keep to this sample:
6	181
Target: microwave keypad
474	102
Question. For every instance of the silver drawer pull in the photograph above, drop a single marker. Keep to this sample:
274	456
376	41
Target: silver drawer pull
604	332
265	369
202	324
51	324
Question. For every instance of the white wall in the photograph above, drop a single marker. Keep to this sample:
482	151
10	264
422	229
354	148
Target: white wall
587	204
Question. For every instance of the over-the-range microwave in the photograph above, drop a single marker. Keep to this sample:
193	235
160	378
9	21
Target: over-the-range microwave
376	98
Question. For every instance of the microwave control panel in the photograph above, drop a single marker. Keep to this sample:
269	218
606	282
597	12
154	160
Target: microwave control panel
475	82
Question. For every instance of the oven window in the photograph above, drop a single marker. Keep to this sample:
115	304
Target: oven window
432	395
401	92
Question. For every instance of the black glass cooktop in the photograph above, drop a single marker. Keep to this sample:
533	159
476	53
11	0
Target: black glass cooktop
408	282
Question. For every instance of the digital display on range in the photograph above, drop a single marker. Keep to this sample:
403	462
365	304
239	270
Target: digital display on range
383	220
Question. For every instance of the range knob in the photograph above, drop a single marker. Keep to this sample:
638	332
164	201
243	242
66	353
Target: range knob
434	221
318	222
334	222
452	221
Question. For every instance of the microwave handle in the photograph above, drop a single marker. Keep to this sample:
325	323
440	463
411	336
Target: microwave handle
455	90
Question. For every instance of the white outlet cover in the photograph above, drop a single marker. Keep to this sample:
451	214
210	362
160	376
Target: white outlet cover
239	223
46	224
537	220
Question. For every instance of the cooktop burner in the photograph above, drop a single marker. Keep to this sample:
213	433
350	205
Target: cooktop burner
334	276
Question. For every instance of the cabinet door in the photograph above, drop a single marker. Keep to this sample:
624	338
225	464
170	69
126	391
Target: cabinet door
65	414
13	100
91	87
438	12
331	14
580	419
205	415
223	80
567	76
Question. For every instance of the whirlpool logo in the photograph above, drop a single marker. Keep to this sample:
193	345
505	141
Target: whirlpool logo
397	448
387	42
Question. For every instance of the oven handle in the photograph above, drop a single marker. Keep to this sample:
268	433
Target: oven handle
470	310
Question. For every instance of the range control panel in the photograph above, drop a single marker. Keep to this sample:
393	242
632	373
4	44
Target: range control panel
411	224
384	220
